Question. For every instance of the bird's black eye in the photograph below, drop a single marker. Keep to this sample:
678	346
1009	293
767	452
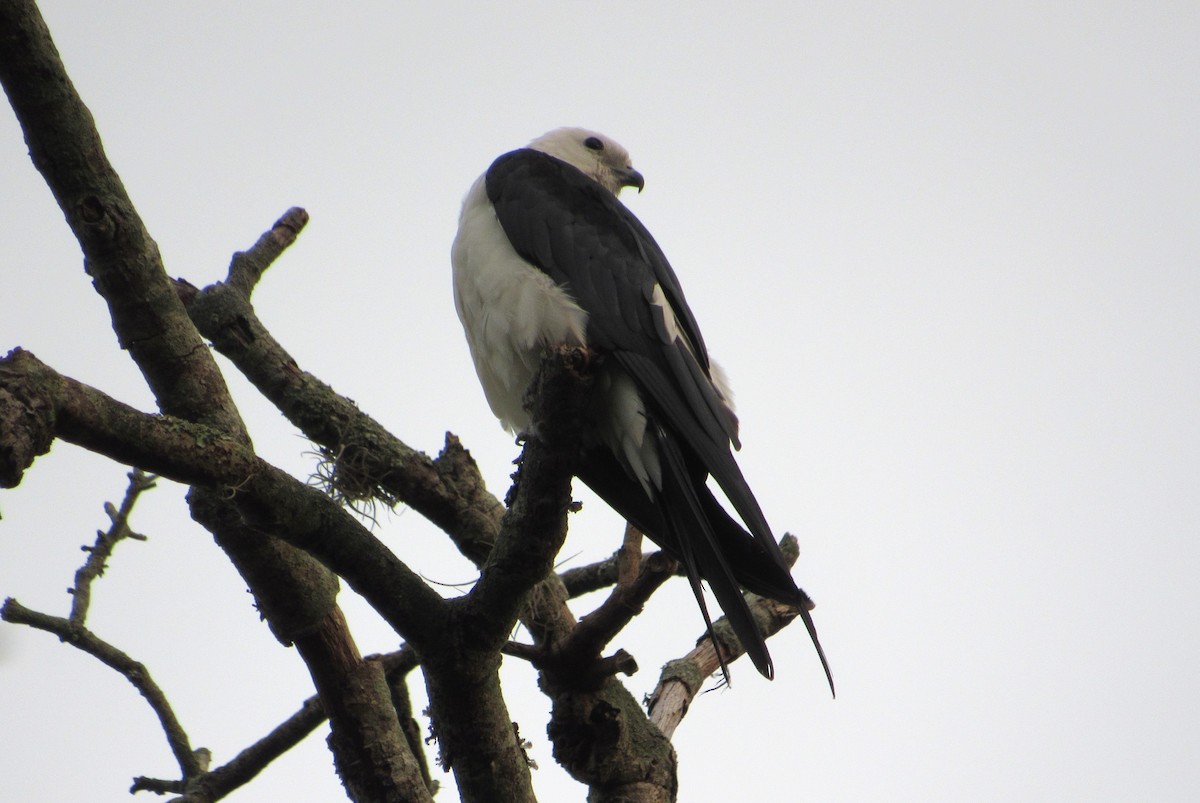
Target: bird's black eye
594	143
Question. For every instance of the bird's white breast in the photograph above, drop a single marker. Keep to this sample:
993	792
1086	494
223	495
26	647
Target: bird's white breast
511	311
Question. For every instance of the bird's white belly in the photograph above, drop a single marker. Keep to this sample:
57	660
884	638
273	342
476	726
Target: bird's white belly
511	311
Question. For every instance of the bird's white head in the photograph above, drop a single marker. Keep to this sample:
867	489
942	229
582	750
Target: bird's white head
596	155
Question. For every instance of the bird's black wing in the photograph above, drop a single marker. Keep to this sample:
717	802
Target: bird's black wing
570	227
578	233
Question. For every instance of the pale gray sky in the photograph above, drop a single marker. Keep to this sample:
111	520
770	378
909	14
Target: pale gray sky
949	255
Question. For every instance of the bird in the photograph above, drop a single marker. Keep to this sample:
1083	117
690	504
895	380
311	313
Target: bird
547	255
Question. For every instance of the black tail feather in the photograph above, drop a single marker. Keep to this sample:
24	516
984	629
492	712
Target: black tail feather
702	556
811	627
752	566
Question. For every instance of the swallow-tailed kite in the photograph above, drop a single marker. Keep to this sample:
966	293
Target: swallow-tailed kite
546	255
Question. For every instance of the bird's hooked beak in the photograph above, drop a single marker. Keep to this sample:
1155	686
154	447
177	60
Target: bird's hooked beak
628	177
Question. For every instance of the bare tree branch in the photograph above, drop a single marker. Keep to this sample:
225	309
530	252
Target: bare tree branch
581	580
629	556
368	461
268	499
364	721
599	627
136	673
98	554
247	267
271	501
576	652
518	561
682	679
119	254
126	268
396	667
462	681
74	631
245	766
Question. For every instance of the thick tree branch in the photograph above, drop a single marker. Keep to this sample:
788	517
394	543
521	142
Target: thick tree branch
463	681
396	667
599	732
536	522
357	700
594	631
269	500
603	738
368	461
119	254
364	720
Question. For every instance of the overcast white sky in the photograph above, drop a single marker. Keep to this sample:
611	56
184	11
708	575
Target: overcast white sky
949	255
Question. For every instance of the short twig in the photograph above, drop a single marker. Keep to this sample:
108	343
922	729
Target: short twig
247	267
629	556
582	580
74	632
526	652
99	553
